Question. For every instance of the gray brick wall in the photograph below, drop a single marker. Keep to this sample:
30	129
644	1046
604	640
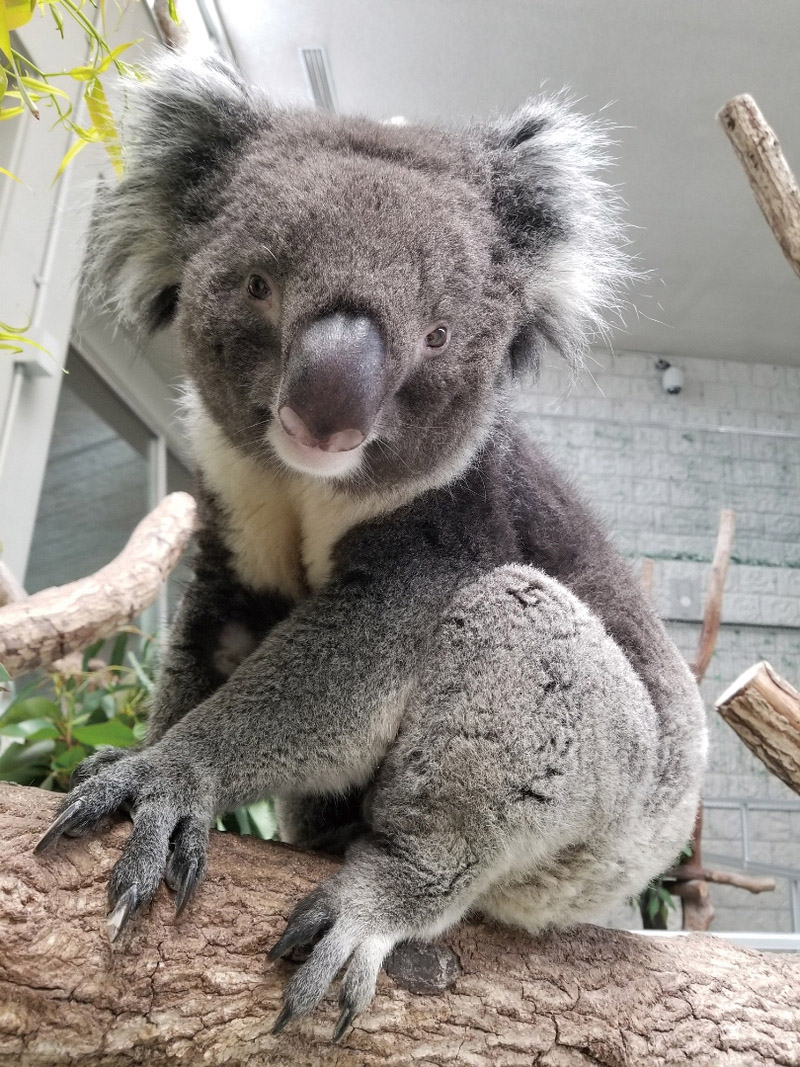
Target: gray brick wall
658	469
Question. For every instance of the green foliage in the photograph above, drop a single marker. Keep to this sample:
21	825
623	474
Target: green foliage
52	724
56	722
14	338
656	902
31	88
24	88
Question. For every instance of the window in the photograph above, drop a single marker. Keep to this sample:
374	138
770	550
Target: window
103	474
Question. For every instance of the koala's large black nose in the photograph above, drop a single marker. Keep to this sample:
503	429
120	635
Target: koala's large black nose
334	382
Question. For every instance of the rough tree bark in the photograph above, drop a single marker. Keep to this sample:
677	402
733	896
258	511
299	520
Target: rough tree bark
770	176
201	992
55	622
764	710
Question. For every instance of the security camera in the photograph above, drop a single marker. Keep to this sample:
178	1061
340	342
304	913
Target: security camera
671	377
672	380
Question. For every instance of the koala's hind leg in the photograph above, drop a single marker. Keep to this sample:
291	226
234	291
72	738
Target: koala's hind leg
527	734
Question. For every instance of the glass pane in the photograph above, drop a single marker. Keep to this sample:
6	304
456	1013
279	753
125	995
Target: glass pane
94	492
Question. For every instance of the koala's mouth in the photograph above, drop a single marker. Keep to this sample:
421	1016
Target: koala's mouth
313	459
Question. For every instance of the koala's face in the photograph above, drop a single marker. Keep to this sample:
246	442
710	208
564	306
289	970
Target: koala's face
352	297
345	313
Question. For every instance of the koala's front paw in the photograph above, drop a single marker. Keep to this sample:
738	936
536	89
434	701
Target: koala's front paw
98	761
171	814
341	935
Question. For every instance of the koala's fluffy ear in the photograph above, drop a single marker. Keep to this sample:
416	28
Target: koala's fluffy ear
562	222
181	130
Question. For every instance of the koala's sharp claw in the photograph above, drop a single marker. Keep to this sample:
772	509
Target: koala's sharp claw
347	1016
123	909
187	883
66	821
284	1017
291	937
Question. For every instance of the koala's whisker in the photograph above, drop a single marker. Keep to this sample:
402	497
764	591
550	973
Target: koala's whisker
264	422
386	447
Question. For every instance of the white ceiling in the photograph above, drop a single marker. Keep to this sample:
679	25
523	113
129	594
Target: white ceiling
720	285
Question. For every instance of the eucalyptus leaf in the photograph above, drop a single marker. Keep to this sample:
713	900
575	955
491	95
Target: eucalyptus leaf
20	755
90	654
111	732
32	708
23	730
70	759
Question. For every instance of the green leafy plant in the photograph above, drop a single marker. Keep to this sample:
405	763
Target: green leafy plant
26	89
656	902
31	87
55	722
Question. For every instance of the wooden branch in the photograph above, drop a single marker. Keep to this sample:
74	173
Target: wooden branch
764	710
647	575
770	176
716	585
698	911
690	872
200	991
55	622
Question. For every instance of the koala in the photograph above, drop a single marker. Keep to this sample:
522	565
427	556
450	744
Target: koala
404	625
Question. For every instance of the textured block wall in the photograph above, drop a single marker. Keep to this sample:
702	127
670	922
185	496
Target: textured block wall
658	468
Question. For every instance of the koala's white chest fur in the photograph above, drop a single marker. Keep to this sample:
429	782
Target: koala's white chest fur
281	528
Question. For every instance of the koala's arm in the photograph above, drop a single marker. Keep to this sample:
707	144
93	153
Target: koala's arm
218	623
317	702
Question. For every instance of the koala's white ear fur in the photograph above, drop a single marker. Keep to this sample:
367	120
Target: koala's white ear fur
181	127
564	222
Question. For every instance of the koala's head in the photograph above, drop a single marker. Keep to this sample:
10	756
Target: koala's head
352	298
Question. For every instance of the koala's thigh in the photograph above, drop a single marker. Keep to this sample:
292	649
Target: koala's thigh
528	747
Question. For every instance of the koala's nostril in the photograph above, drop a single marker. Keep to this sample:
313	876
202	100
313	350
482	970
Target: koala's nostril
295	427
341	441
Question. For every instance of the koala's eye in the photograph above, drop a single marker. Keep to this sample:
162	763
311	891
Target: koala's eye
438	337
258	287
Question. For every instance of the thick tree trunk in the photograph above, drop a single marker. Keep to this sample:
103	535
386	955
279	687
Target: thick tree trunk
201	991
764	710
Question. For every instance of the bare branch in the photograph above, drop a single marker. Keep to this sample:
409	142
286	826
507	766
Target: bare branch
50	624
771	179
764	710
716	586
